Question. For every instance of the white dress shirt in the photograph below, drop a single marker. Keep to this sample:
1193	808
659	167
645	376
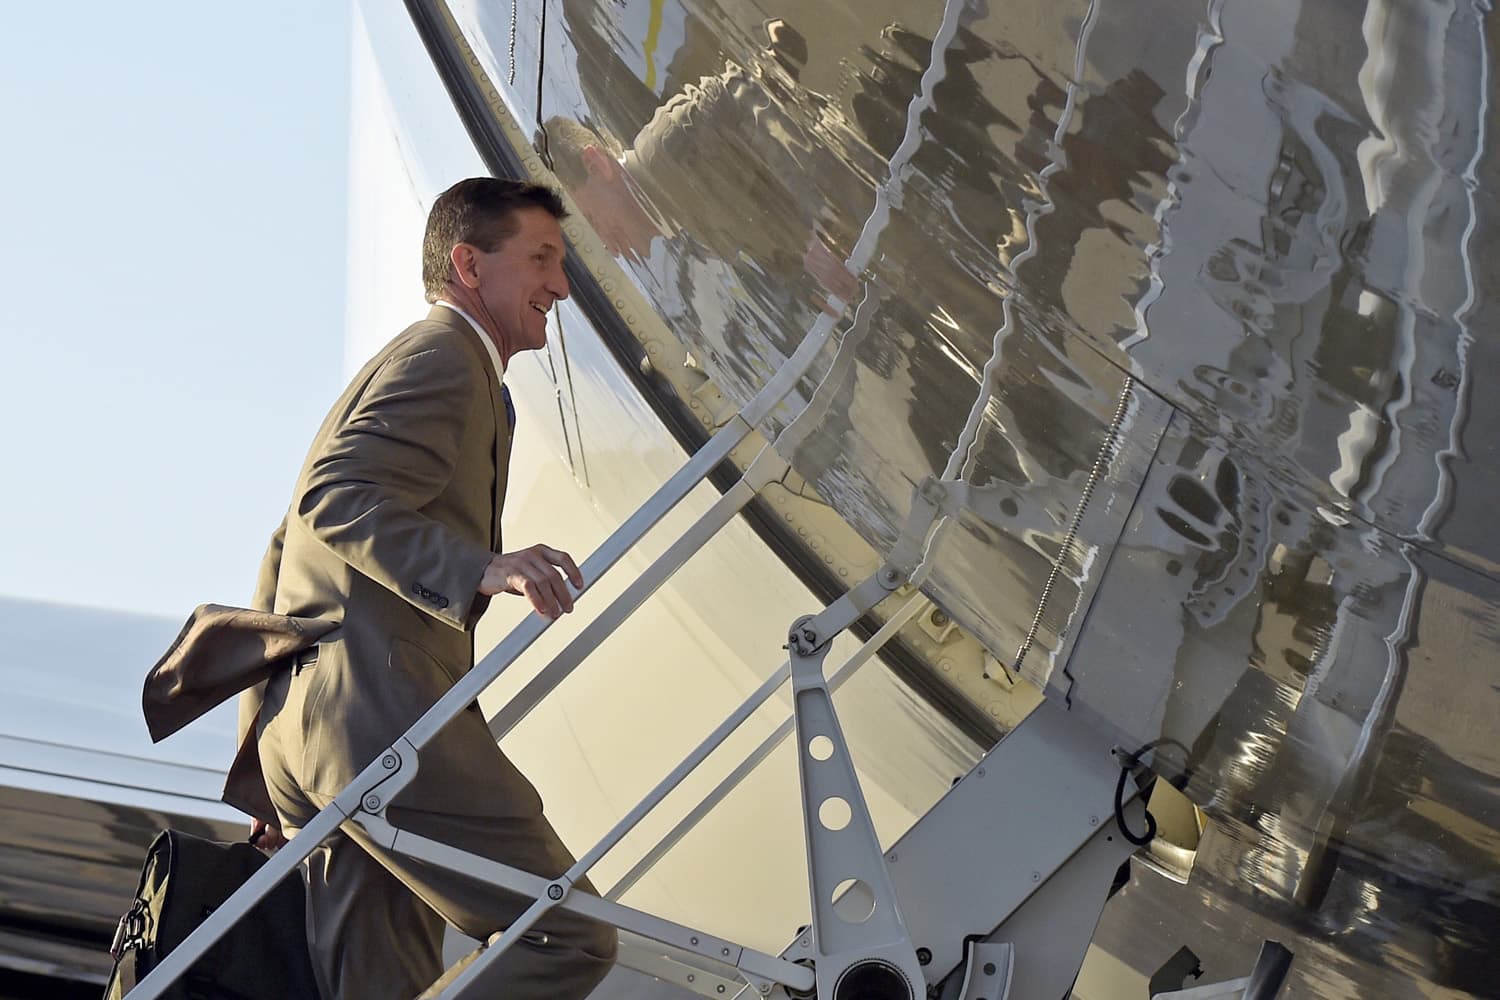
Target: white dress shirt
484	338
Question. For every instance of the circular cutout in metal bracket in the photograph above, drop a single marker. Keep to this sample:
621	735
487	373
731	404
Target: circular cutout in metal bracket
872	979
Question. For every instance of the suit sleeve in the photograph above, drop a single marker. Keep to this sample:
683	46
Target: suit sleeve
366	488
264	599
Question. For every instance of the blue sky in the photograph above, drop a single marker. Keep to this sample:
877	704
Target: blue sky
174	179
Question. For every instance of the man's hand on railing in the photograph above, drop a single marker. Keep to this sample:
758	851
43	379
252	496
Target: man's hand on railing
533	574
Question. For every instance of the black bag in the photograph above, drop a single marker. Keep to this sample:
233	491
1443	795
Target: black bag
264	955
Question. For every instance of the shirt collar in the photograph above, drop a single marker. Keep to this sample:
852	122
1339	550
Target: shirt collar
484	338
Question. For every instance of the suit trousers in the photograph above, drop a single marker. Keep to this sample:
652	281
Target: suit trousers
376	917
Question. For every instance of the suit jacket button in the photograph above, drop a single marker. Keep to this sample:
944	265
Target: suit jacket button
442	602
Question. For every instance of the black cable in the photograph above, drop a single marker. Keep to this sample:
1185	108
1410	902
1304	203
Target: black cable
1128	763
1139	840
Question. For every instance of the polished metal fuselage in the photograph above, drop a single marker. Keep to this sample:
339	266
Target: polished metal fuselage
1200	296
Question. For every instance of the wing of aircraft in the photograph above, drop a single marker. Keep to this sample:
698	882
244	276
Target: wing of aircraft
82	788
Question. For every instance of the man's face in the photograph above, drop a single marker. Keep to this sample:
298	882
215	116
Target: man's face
521	279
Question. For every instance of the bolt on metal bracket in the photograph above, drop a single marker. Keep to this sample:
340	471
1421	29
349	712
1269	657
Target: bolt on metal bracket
987	974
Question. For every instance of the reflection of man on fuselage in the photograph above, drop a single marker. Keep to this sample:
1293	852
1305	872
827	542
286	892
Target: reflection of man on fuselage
732	163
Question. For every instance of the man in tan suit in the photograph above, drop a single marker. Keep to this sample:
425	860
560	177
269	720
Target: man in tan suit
394	533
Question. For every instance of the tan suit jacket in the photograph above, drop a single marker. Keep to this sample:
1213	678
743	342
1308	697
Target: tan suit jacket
393	521
394	518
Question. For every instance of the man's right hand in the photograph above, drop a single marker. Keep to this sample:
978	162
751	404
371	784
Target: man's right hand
533	573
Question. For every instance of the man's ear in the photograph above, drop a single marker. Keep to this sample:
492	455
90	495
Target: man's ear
598	163
464	265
